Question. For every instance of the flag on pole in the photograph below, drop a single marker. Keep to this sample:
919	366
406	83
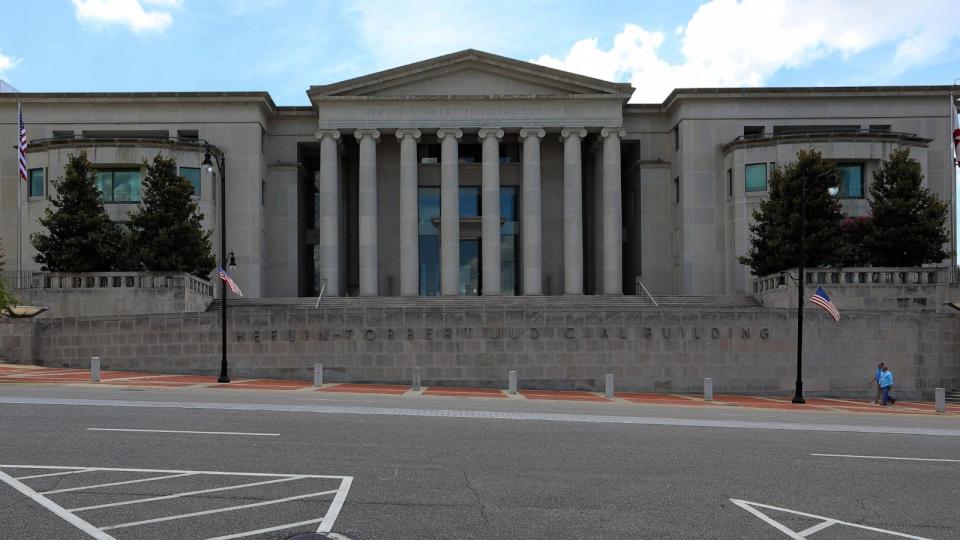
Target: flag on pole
956	131
821	300
22	146
230	282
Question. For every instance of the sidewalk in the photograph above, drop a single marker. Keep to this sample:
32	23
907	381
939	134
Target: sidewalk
23	374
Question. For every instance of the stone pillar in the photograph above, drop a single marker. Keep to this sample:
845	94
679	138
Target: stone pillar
328	212
409	235
449	211
572	210
531	239
490	205
367	210
612	221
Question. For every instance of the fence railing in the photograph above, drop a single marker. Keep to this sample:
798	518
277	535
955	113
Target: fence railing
824	133
80	139
861	277
106	280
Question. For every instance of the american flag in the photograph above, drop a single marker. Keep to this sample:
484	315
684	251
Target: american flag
230	282
821	299
22	147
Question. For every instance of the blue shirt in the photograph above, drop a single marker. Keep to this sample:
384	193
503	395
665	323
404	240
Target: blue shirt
886	379
877	376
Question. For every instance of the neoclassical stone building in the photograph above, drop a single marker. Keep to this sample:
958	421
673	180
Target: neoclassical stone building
474	174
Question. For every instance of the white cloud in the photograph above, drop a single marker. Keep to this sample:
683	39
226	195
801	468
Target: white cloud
731	43
7	63
130	13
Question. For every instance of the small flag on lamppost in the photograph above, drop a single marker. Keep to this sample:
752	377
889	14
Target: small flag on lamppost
230	282
823	301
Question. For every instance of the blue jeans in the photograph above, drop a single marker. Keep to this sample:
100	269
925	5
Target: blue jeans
886	394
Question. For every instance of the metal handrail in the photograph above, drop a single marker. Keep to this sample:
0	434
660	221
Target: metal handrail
642	286
323	285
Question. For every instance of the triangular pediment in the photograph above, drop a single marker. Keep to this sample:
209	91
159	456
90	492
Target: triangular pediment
471	73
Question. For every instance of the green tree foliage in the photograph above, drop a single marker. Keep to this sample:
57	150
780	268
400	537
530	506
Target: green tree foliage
79	235
775	241
6	295
909	223
166	229
854	233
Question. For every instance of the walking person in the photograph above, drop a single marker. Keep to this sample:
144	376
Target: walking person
886	385
876	382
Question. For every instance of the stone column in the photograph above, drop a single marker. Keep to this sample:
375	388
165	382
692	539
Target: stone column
367	211
612	221
490	205
449	211
531	238
572	210
328	211
409	235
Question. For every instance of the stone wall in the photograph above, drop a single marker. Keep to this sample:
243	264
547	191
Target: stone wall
552	343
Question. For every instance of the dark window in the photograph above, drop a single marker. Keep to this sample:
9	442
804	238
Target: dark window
880	127
469	201
429	240
263	193
755	177
851	180
119	185
62	134
192	174
428	153
508	240
35	189
469	153
509	153
729	182
676	137
188	134
676	190
752	132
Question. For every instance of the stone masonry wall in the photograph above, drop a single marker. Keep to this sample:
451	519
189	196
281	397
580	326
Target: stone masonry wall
563	345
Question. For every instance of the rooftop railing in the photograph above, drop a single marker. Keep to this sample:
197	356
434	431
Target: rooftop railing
823	134
130	140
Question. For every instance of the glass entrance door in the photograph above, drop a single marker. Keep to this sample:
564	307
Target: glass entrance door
470	267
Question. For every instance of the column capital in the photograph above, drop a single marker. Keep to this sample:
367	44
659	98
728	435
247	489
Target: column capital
408	132
490	132
572	132
443	133
332	133
532	132
608	131
372	133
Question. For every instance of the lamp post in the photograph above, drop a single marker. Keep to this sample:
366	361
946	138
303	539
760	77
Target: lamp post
221	162
832	190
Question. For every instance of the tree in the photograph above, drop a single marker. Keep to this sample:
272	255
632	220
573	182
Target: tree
166	230
854	233
909	223
775	240
6	296
80	236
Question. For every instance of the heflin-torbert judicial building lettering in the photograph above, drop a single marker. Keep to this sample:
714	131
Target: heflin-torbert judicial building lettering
474	174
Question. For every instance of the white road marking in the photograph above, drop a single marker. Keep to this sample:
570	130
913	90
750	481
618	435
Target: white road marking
335	506
268	529
889	457
827	522
188	432
137	481
218	510
489	415
215	473
55	508
186	494
52	474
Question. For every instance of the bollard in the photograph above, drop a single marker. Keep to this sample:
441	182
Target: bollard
95	369
708	389
512	386
416	379
609	385
941	398
318	375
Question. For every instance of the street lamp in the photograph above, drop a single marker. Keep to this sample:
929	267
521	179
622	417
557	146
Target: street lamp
208	161
832	190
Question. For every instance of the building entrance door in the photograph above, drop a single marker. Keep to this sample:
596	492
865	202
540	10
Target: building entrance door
470	267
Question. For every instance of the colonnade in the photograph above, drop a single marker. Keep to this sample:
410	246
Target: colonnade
329	186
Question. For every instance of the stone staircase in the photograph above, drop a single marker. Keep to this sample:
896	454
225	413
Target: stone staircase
503	302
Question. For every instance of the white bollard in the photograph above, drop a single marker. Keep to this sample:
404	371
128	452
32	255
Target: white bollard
708	389
95	369
512	382
609	385
941	399
318	375
416	379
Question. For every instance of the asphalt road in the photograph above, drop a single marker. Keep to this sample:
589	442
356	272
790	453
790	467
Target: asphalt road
464	468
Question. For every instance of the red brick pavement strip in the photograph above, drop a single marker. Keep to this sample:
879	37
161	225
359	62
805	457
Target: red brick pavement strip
393	389
561	395
464	392
646	398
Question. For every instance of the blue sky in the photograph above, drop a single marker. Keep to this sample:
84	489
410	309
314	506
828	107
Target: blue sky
284	46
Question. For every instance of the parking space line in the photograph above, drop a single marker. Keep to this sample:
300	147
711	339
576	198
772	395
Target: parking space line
216	473
818	527
218	510
139	480
186	494
268	529
53	474
187	432
889	457
335	506
752	507
58	510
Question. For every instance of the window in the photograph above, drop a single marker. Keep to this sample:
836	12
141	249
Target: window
189	135
192	174
729	182
752	132
676	137
469	205
263	192
429	240
851	180
755	177
885	128
428	153
508	240
62	134
35	189
676	190
119	185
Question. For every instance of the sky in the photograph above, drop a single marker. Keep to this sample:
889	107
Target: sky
284	46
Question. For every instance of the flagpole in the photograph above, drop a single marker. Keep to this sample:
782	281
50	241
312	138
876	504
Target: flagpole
19	204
